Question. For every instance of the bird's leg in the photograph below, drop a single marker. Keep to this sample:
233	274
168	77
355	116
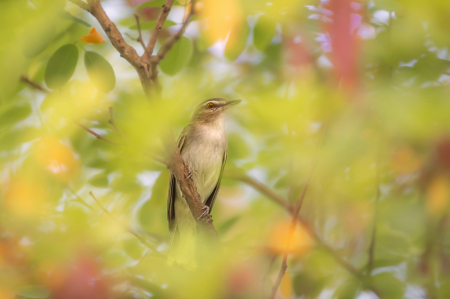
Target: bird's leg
206	210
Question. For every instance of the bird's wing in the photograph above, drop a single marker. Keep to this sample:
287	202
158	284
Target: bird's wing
173	186
212	198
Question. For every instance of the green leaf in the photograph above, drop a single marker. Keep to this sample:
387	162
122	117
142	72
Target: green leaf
236	43
154	3
348	289
14	115
389	285
152	24
61	66
100	71
68	16
263	33
100	181
178	57
133	248
229	223
38	38
33	291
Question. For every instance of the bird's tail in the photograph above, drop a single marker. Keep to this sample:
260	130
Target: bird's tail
182	249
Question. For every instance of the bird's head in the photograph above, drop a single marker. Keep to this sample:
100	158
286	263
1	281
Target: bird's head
212	110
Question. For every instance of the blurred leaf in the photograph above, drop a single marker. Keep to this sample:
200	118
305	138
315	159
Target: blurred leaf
99	180
133	248
61	66
14	114
237	147
13	138
154	3
100	71
66	15
286	285
307	285
33	291
236	43
178	57
150	25
389	285
348	289
38	38
227	225
264	31
156	205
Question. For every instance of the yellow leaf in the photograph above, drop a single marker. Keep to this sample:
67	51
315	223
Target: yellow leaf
282	239
437	199
221	16
57	158
93	37
405	161
285	288
25	196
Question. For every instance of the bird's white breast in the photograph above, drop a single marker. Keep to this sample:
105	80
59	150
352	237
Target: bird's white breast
204	156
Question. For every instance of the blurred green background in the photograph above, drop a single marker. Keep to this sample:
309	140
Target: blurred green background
353	94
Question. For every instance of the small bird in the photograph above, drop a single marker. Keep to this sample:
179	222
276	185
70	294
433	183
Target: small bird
203	147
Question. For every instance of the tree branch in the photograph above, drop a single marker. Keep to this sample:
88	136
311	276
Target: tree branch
270	194
112	122
159	24
263	189
298	206
95	134
169	44
374	229
141	239
33	84
114	35
139	39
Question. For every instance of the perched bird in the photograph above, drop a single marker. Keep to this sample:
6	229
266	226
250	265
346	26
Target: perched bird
203	147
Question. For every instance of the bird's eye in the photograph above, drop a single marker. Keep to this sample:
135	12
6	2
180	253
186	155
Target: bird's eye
210	105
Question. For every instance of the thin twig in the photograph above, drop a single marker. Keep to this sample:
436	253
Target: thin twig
298	206
33	84
139	39
126	51
79	199
263	189
112	122
374	230
95	134
143	241
81	4
159	25
169	44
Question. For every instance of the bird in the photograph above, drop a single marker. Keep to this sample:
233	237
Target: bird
203	148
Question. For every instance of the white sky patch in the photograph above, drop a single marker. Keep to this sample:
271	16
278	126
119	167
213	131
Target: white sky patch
367	31
381	17
408	64
324	62
218	49
116	9
444	79
147	178
367	295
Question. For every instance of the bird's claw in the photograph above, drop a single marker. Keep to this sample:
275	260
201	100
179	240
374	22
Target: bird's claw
205	212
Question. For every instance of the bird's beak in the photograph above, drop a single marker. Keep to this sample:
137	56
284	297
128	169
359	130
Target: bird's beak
229	104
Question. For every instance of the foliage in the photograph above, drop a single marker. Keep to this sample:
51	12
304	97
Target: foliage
344	100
